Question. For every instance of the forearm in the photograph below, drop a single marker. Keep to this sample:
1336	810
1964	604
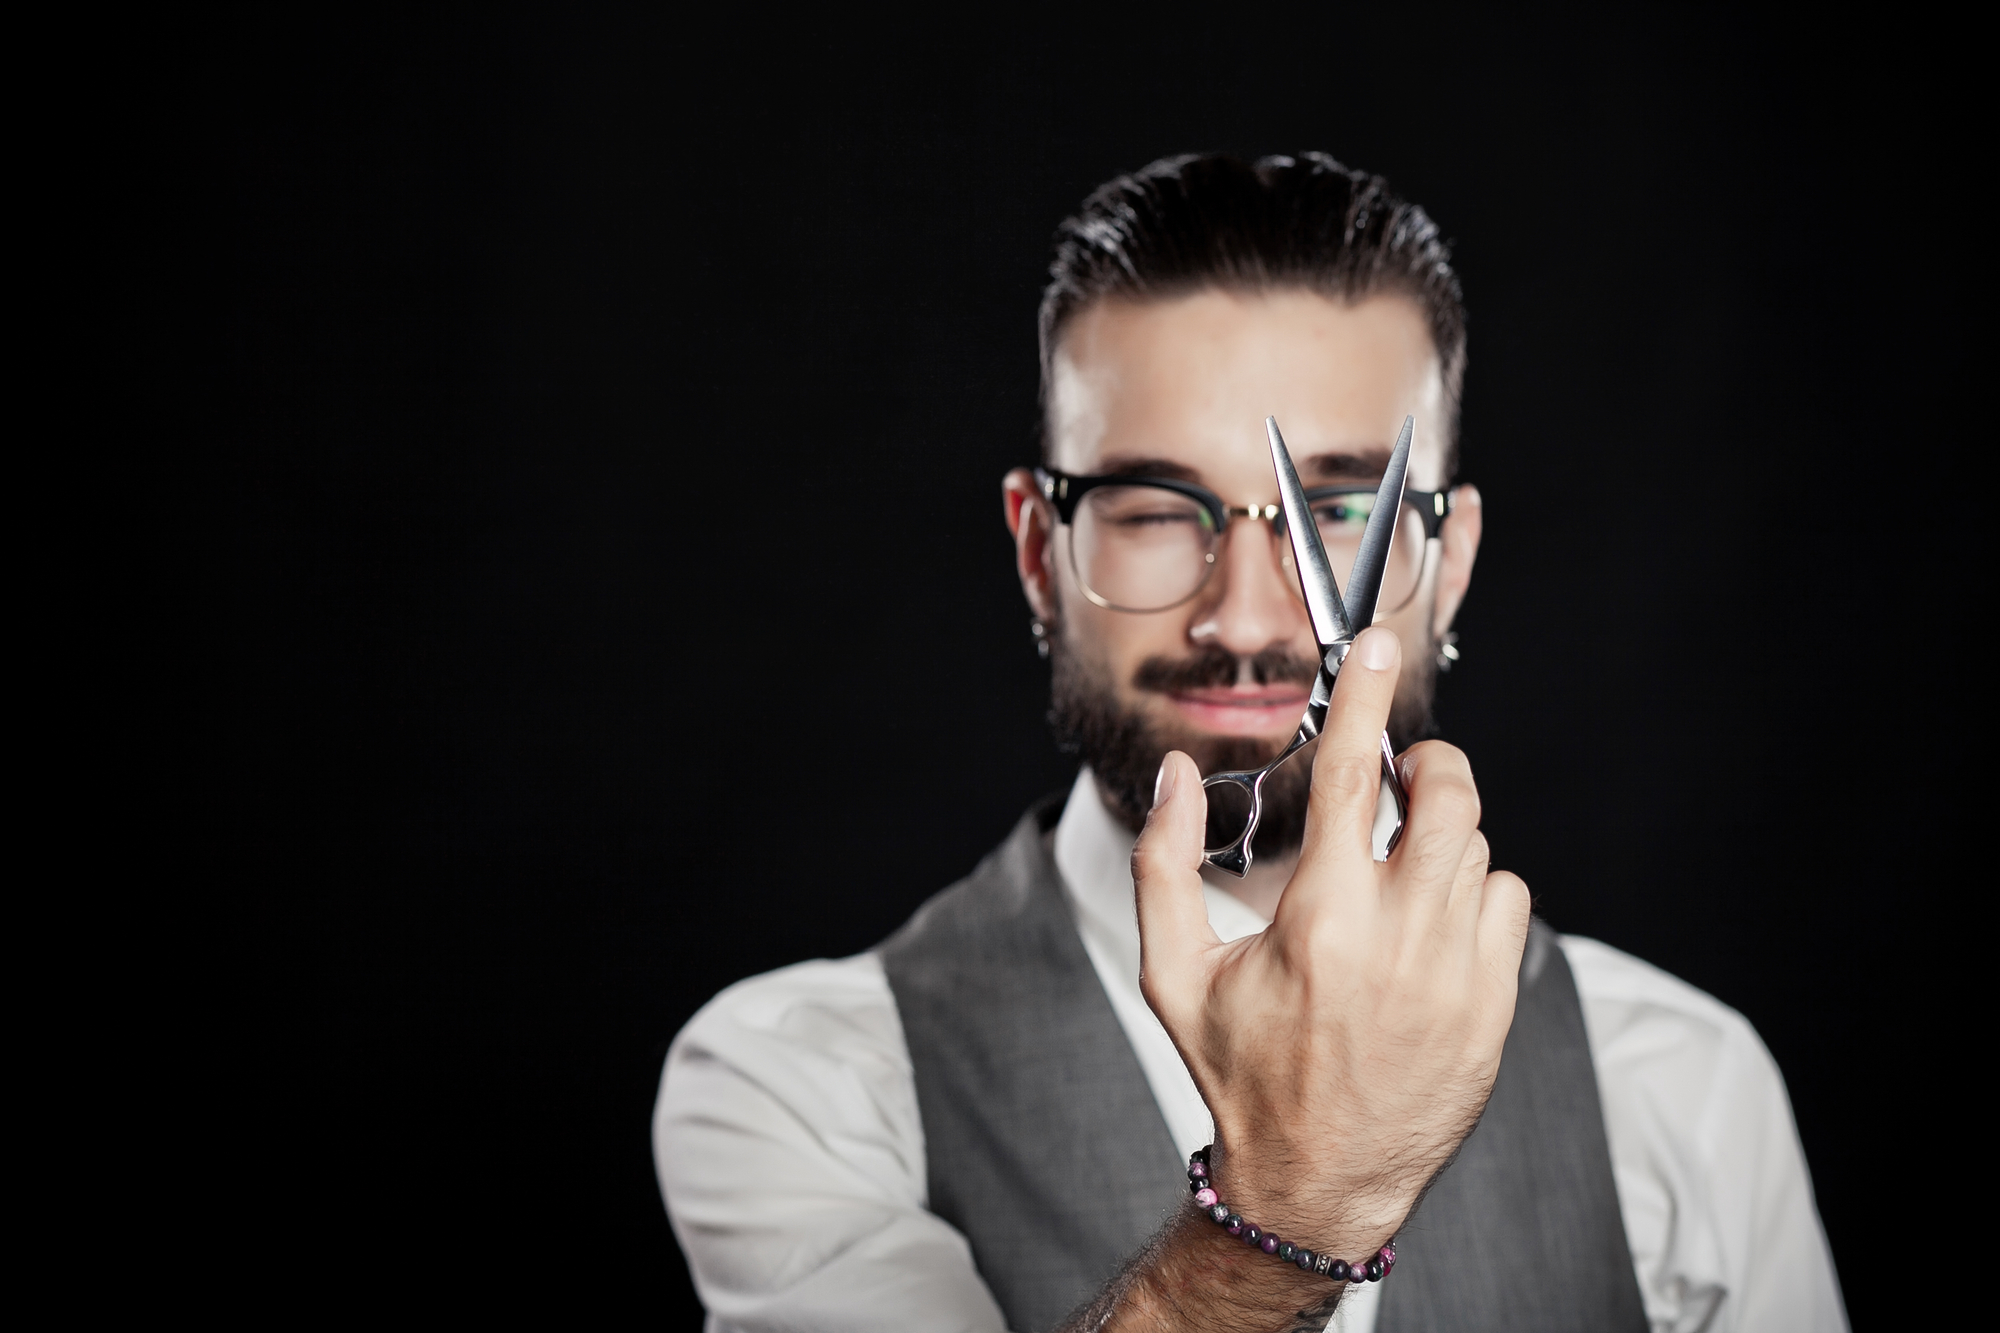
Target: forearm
1194	1277
1345	1052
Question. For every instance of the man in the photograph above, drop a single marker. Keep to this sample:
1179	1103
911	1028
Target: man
986	1122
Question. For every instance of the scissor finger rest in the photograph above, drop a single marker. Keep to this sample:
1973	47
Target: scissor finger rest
1234	856
1392	810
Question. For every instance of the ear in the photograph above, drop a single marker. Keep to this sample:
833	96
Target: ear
1460	539
1032	522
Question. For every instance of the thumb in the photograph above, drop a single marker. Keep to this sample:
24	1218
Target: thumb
1166	879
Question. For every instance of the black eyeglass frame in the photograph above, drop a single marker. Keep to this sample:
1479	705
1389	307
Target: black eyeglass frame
1065	489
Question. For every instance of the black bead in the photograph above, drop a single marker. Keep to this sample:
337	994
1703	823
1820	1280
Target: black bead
1233	1220
1374	1270
1251	1235
1304	1259
1220	1212
1286	1250
1339	1270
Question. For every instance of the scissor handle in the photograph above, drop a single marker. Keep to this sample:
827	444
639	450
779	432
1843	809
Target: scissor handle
1392	806
1392	809
1234	858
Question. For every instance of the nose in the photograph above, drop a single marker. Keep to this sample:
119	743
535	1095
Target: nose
1249	605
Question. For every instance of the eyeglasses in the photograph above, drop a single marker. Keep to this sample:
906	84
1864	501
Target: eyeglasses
1148	543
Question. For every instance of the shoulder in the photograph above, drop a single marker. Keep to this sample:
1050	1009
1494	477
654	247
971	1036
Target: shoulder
1622	995
1712	1183
830	1008
799	1075
1612	976
790	1152
1696	1065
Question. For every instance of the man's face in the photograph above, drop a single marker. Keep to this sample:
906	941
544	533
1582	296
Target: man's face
1180	388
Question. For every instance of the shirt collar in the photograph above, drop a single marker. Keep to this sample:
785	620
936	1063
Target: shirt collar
1093	854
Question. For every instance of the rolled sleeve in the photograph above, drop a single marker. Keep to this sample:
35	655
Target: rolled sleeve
1712	1181
790	1153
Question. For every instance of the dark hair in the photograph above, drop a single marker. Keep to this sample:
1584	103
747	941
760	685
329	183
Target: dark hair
1207	220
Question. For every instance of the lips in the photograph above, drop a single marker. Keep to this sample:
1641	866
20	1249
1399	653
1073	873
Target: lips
1262	710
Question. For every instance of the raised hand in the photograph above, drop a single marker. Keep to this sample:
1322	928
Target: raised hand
1346	1051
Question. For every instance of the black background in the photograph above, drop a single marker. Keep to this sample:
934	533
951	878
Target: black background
593	493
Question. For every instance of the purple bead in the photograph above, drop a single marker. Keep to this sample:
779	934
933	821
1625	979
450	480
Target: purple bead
1205	1197
1387	1254
1219	1213
1234	1224
1251	1235
1199	1170
1304	1259
1338	1270
1268	1245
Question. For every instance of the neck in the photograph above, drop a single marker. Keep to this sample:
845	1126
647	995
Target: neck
1263	886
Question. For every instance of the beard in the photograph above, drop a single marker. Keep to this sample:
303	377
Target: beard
1125	747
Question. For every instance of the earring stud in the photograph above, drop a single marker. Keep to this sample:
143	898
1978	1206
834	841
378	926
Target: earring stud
1041	633
1447	650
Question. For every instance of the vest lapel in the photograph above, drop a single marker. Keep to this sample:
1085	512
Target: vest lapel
1522	1230
1046	1148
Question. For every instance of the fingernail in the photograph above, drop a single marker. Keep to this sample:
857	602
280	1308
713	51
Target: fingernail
1468	494
1163	784
1376	649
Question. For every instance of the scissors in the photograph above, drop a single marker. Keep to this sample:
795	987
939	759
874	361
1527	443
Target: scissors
1335	623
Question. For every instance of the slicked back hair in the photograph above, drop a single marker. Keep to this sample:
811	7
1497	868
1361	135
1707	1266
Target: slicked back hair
1208	220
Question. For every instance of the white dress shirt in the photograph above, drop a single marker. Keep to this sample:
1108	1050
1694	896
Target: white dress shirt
791	1151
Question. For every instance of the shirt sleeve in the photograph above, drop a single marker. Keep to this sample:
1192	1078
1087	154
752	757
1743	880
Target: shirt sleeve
1712	1182
790	1153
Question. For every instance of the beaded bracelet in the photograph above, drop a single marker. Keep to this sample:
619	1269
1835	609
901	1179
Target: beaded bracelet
1372	1269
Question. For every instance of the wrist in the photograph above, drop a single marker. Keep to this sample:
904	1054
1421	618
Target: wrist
1203	1279
1350	1215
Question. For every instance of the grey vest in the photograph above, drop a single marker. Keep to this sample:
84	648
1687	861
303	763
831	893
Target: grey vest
1047	1149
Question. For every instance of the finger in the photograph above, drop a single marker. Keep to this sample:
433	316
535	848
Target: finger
1443	818
1347	771
1504	909
1166	880
1473	864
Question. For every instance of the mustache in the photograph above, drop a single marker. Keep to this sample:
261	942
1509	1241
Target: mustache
1211	668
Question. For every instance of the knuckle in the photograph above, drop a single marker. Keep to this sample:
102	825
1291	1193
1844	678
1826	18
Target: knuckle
1347	779
1511	892
1455	803
1321	938
1434	857
1150	852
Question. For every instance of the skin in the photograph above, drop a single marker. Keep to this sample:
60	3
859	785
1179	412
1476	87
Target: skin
1346	1051
1182	387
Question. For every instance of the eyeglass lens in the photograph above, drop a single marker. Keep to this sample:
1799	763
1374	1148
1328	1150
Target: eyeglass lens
1142	548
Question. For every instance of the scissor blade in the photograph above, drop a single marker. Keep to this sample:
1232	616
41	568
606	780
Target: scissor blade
1364	585
1329	617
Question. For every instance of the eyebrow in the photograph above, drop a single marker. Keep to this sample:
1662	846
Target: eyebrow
1149	467
1332	465
1346	464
